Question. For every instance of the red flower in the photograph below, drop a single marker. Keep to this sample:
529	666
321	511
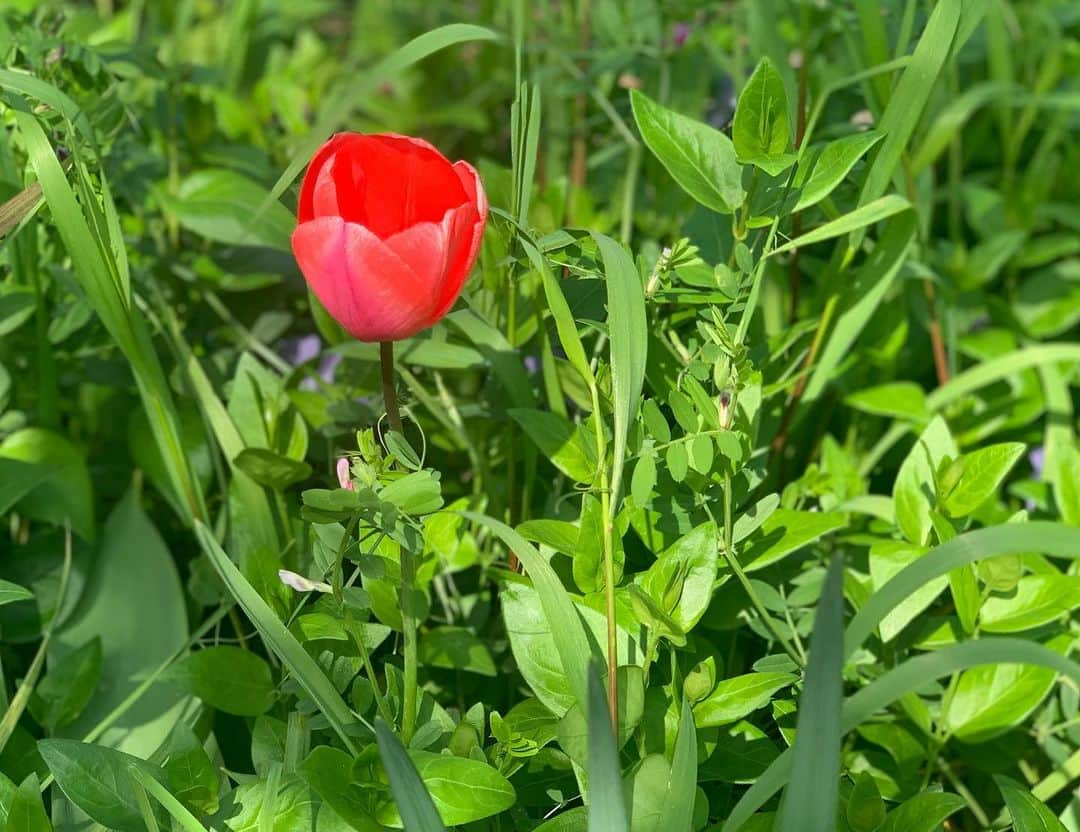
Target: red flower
388	231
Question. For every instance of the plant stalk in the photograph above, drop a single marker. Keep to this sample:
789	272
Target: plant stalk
386	362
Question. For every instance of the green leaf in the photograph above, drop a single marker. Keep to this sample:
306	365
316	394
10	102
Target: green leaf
287	805
865	809
1046	538
227	678
563	624
284	644
607	803
686	569
1029	814
732	699
271	469
227	207
863	216
68	686
922	813
461	790
761	132
26	812
811	797
916	482
786	531
567	445
10	593
983	472
821	172
329	773
909	98
993	698
96	779
17	305
414	804
663	792
64	493
887	558
629	337
574	729
898	399
535	646
456	648
699	158
1036	600
133	563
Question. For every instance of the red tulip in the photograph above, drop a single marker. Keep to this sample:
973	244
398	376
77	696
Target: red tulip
388	231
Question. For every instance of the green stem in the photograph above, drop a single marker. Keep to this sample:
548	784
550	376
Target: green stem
733	564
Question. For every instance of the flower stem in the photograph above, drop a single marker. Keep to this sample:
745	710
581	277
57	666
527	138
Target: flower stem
386	360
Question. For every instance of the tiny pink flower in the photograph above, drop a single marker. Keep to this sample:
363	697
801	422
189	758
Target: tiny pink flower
343	476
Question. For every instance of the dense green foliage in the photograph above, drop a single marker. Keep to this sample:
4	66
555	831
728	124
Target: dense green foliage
753	429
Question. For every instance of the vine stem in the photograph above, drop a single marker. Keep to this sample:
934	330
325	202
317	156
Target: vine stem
408	566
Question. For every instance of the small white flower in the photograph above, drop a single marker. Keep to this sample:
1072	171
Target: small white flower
300	583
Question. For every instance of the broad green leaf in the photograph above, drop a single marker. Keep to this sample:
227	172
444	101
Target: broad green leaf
1029	814
983	471
1053	539
224	206
328	771
24	809
865	810
97	780
662	793
133	563
227	678
863	216
574	729
822	170
915	487
1047	303
629	337
810	802
732	699
886	560
563	628
271	469
606	803
456	648
17	305
61	696
65	492
259	806
685	572
786	531
1036	600
415	807
567	445
699	158
993	698
922	813
573	820
534	642
898	399
750	520
760	131
462	790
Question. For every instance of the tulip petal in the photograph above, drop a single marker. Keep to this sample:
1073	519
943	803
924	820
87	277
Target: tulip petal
424	248
362	282
306	207
465	235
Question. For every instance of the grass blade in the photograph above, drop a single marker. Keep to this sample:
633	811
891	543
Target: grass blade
607	803
566	627
861	217
281	641
1054	539
811	798
411	795
897	683
628	332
